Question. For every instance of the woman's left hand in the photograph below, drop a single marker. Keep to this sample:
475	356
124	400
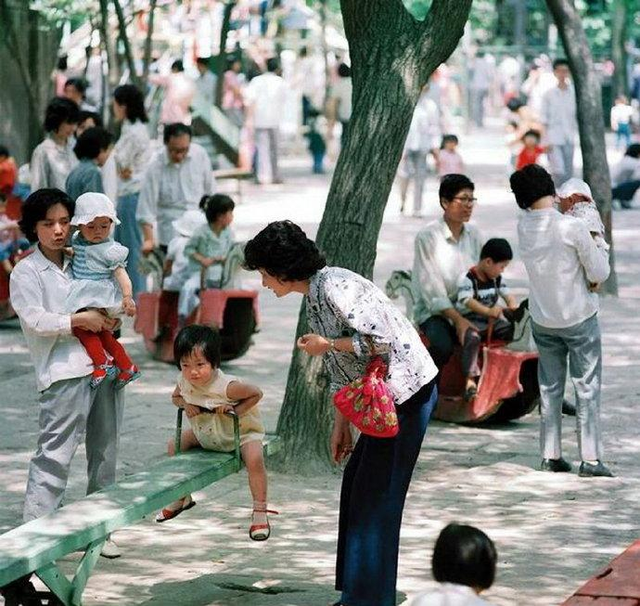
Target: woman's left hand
314	345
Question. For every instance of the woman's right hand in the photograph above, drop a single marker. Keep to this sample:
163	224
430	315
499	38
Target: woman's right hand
91	320
341	441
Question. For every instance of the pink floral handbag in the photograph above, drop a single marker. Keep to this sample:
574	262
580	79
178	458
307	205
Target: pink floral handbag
368	403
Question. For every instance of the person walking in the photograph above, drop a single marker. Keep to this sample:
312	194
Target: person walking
559	118
132	153
377	476
175	181
563	263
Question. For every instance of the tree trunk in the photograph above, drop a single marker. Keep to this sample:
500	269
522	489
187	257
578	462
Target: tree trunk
148	43
392	57
113	72
221	59
122	32
590	118
618	50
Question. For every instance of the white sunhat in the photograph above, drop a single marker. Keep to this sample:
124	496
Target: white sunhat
188	222
574	186
92	205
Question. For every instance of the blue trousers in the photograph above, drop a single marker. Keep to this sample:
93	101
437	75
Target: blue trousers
128	234
374	487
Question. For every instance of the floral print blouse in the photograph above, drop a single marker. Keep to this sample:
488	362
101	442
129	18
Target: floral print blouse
342	303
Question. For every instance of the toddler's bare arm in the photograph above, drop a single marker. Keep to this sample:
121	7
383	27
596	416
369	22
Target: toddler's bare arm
246	395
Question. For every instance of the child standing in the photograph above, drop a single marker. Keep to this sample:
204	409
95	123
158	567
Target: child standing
531	150
479	291
621	118
207	395
317	145
449	160
464	563
100	282
207	251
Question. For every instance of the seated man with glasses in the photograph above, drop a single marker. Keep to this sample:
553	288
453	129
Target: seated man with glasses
444	250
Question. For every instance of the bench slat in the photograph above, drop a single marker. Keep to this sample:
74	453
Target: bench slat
39	542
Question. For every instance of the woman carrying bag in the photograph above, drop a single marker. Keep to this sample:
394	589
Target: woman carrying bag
352	323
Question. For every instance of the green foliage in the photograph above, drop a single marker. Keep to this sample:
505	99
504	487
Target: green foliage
57	11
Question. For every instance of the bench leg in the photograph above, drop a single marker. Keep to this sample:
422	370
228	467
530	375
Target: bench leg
70	592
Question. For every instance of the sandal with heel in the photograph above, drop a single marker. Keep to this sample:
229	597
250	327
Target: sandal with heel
261	532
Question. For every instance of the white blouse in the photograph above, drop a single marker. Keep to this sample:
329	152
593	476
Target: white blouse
132	151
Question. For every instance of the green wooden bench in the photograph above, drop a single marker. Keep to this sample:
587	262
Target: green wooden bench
35	546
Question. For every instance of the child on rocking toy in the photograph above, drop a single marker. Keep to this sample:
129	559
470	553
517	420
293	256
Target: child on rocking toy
100	281
479	291
207	395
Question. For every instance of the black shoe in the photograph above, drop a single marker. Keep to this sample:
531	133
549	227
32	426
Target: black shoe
555	465
589	470
568	408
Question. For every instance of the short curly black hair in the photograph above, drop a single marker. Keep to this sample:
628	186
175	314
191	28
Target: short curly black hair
531	183
60	110
283	250
36	206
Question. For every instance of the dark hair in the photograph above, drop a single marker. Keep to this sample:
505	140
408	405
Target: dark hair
532	133
177	66
447	139
3	198
633	151
344	71
177	129
85	115
283	250
4	151
197	336
451	185
531	183
515	103
203	61
80	84
560	63
231	61
60	110
497	249
35	208
132	98
216	205
91	142
62	63
273	64
464	555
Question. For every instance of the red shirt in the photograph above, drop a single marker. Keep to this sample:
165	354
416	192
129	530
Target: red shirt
529	156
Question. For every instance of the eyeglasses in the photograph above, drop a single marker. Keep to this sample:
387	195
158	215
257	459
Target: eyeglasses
466	200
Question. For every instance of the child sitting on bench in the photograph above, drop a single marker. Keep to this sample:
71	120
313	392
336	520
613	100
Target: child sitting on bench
464	563
207	395
479	291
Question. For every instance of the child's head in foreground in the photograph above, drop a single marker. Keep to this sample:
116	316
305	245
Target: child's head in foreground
464	555
196	351
495	256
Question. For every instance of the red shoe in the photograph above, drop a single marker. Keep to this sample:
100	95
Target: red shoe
260	532
169	514
100	373
126	376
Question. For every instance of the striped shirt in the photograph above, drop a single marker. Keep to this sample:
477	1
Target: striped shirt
81	268
485	292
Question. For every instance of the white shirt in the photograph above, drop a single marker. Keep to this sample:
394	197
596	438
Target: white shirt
628	169
51	164
342	92
449	594
561	259
206	89
170	189
39	289
267	95
132	151
424	129
559	115
621	114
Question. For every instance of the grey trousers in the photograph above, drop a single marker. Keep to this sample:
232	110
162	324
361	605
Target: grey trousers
267	155
69	409
581	345
561	162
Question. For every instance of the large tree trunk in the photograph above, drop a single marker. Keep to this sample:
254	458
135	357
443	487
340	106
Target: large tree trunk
618	50
590	118
392	57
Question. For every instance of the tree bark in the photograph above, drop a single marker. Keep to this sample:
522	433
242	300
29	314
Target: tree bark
148	43
590	117
618	50
392	57
122	33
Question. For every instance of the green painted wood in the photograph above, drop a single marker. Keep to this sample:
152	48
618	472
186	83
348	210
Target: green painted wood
37	543
84	570
57	583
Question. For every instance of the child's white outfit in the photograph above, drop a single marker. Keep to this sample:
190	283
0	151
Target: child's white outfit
215	431
585	211
449	594
181	268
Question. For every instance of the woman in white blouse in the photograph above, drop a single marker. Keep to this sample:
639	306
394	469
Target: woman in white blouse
132	153
53	159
